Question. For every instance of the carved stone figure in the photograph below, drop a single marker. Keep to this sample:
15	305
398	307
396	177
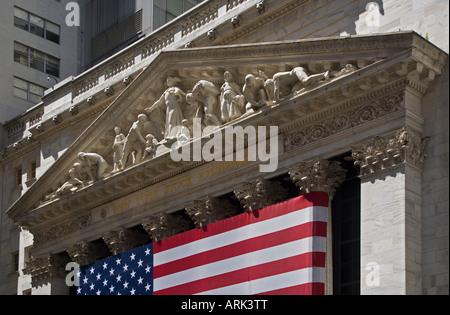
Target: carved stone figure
135	142
232	102
349	68
255	92
294	81
75	182
207	93
118	145
151	145
94	165
172	99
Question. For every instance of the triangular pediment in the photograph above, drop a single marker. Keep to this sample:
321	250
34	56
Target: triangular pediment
342	71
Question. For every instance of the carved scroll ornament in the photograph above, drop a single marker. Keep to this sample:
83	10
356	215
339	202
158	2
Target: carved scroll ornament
406	146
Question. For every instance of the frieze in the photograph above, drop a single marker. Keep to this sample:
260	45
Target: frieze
63	229
349	119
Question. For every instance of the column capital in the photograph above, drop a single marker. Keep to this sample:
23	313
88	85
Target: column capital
405	147
318	175
122	240
259	194
164	225
86	253
46	267
209	210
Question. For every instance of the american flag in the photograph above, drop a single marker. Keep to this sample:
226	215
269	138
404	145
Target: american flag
276	250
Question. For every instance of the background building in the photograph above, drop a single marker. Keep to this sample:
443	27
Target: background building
395	215
38	44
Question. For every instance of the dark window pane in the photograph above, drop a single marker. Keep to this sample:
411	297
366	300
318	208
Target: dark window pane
18	22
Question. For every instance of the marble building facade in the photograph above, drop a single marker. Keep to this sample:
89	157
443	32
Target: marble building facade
350	106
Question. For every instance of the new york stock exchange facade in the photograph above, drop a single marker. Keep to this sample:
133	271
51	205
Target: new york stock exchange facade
356	118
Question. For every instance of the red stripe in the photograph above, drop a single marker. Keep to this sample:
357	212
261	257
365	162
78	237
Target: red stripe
315	259
303	289
250	245
310	200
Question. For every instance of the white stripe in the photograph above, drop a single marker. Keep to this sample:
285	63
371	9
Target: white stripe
285	280
306	245
311	214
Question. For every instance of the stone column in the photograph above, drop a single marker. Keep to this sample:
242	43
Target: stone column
48	275
391	210
325	176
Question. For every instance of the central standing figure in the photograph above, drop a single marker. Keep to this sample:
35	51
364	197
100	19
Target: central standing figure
172	98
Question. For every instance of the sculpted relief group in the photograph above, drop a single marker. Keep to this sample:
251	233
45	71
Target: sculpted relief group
192	115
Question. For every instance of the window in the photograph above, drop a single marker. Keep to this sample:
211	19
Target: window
36	25
36	59
21	54
32	166
52	32
52	66
21	19
18	176
28	91
165	11
15	262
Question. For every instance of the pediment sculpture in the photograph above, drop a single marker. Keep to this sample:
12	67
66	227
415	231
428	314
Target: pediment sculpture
170	119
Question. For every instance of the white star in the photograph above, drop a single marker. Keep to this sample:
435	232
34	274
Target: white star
148	269
133	274
148	287
125	285
140	280
92	287
133	257
105	265
118	261
133	291
98	292
92	270
111	272
105	283
119	278
111	290
140	262
85	280
125	268
99	276
79	291
148	251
